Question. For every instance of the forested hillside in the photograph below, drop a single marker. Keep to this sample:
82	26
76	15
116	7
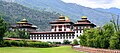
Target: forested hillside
46	11
13	12
72	10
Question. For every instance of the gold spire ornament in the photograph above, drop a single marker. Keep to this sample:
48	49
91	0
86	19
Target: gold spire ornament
84	17
24	19
67	18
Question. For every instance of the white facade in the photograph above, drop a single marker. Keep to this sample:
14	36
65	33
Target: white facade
53	37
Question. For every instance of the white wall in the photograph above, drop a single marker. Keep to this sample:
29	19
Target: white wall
51	40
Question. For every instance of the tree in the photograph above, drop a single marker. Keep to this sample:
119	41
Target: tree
115	42
23	34
116	23
108	31
3	29
107	36
115	39
97	37
17	34
12	34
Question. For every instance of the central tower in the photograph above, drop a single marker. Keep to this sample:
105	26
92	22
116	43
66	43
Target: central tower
61	25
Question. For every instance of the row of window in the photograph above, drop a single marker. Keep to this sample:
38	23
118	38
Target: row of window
19	29
55	37
71	36
80	31
81	27
50	34
60	26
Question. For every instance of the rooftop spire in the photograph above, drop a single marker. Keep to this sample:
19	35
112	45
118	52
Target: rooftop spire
67	18
84	17
24	20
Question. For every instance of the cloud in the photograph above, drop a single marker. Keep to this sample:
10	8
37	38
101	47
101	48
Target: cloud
96	3
102	1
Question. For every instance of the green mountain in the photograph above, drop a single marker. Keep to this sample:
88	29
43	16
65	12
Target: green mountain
13	12
41	12
72	10
110	10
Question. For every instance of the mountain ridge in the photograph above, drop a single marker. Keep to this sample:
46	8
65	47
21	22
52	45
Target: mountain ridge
13	12
110	10
74	11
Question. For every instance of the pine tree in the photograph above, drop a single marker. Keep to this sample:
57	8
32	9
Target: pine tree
3	29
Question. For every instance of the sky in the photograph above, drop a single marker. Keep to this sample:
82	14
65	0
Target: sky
96	3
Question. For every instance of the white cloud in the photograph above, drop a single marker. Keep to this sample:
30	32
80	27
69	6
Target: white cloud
96	3
102	1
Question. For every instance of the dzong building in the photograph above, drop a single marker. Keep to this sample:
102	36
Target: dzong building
63	29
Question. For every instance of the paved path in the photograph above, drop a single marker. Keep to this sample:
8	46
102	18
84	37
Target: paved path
94	50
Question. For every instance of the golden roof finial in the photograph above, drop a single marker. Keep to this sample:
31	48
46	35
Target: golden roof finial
84	16
67	18
24	19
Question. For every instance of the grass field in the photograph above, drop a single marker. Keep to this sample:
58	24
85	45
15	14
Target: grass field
62	49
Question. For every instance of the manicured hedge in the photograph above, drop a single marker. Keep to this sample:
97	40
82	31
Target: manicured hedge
23	43
39	44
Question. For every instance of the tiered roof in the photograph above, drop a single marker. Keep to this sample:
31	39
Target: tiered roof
24	21
62	20
24	24
84	21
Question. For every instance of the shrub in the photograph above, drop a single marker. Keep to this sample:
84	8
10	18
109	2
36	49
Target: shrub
14	43
44	44
66	42
24	43
21	44
7	43
50	42
39	44
33	44
75	42
56	42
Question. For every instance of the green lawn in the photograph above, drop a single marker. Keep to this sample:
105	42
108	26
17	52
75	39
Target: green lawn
62	49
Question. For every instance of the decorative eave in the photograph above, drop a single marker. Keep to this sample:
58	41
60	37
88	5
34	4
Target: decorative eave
24	23
21	22
84	21
60	22
84	24
24	26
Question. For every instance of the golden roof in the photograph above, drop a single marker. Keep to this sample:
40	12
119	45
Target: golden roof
61	17
67	18
23	21
84	16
